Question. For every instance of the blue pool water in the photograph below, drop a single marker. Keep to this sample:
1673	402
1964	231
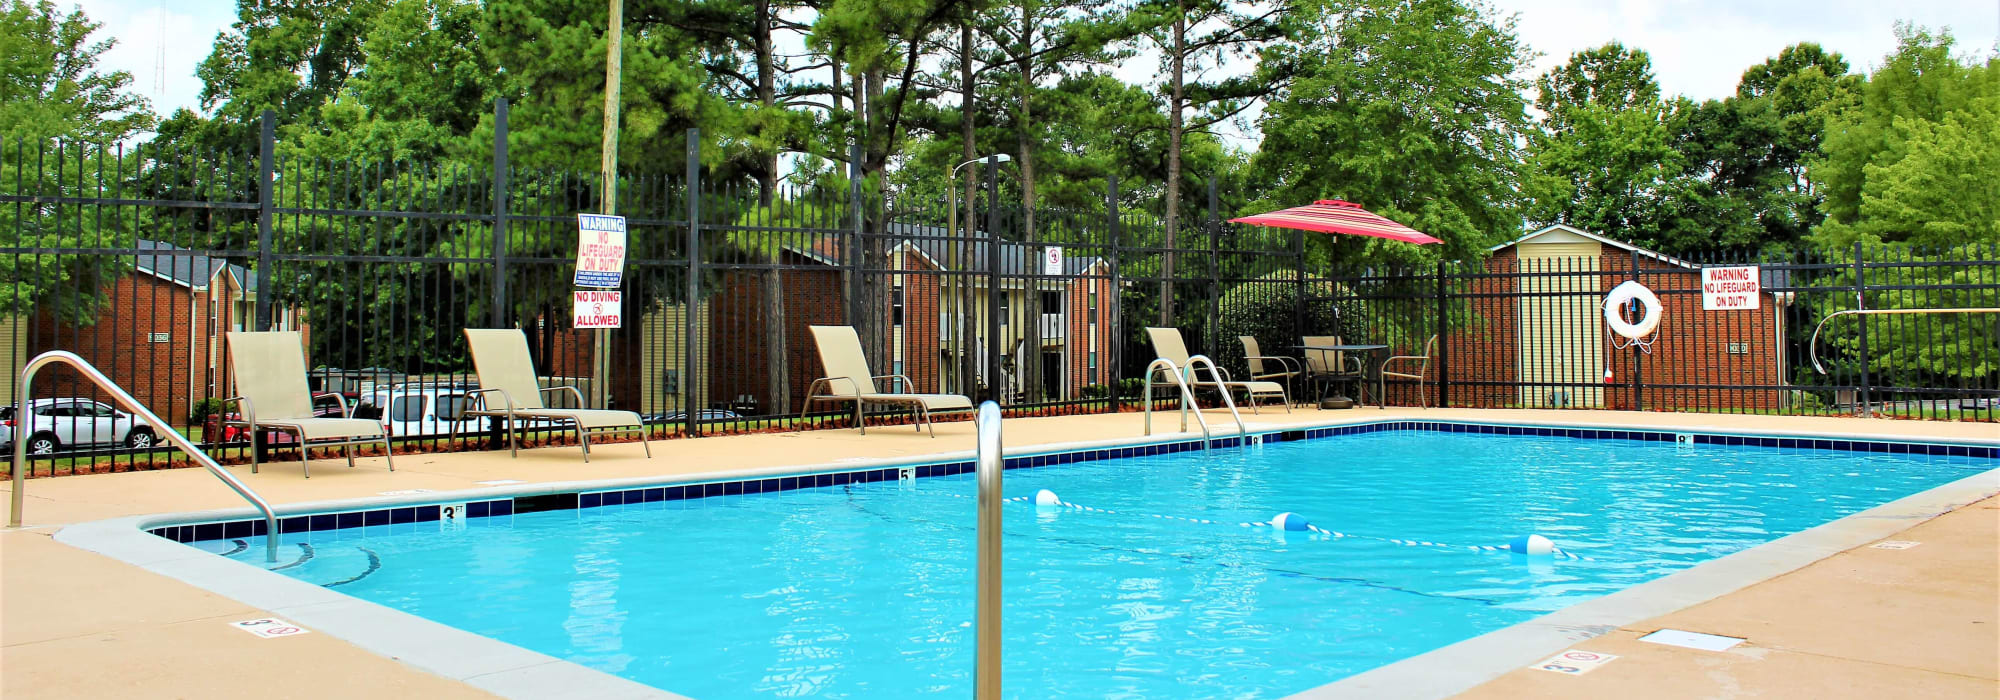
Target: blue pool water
865	590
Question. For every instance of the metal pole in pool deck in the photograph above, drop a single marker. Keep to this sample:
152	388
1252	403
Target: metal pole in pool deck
986	631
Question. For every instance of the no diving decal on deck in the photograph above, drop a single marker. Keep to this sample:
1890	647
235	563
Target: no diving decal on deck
270	628
1575	662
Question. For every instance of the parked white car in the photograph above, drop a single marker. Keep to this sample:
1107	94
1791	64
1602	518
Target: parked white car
72	424
406	410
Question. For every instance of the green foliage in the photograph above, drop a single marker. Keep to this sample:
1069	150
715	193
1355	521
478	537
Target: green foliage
202	409
1408	108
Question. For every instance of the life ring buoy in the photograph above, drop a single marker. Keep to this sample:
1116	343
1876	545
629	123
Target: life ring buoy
1628	291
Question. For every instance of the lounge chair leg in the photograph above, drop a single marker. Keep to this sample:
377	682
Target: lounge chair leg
644	442
256	443
386	452
305	456
583	437
860	419
349	450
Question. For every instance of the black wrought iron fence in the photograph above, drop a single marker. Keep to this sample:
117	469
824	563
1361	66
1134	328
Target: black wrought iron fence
141	260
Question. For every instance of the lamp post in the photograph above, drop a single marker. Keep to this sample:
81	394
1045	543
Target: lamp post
958	254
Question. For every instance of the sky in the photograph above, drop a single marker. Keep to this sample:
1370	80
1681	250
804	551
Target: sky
1699	47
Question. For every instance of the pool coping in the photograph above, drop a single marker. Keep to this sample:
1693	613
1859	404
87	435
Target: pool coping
508	670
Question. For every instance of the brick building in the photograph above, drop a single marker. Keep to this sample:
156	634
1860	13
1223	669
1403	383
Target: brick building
1535	334
158	333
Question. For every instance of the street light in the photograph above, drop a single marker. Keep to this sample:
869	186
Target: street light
951	234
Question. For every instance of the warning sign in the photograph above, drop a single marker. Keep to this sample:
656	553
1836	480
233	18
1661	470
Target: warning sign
1052	260
600	250
1575	662
269	628
1731	288
595	308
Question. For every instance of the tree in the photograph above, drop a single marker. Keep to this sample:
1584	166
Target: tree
1223	31
60	119
1408	108
1889	165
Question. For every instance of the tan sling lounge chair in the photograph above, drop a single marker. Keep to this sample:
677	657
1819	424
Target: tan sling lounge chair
272	394
847	379
1167	344
501	359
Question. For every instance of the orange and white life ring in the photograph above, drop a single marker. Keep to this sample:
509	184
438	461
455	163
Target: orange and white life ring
1625	292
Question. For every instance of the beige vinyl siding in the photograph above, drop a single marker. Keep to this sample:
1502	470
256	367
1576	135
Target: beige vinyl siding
13	355
1562	335
661	348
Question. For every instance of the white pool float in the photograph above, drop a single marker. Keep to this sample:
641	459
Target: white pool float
1625	292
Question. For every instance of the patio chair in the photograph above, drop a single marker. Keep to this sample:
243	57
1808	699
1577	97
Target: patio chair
1286	369
272	394
500	357
847	380
1423	367
1328	367
1167	344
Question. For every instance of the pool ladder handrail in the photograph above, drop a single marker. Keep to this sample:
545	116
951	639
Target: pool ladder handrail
24	428
1187	395
989	462
1220	384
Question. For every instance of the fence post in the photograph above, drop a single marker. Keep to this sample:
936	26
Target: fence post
267	146
1638	379
1299	285
1115	330
996	384
856	257
1214	272
689	411
1861	303
1444	346
499	315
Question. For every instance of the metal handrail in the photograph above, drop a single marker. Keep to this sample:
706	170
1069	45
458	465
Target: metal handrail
986	637
1812	347
1227	400
1187	397
24	419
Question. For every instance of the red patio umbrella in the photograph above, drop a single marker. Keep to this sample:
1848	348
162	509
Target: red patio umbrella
1335	216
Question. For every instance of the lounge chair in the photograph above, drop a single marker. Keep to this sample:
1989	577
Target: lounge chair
500	356
1423	367
272	394
1167	344
847	380
1286	367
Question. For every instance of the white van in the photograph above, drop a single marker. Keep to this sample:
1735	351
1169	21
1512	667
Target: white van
406	410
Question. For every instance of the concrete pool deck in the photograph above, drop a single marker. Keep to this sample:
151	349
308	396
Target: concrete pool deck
77	624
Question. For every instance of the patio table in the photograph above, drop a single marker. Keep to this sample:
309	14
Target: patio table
1370	366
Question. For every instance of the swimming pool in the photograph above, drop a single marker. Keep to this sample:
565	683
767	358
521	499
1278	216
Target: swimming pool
864	589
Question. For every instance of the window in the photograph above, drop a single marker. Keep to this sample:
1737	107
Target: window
95	410
453	407
672	382
896	306
1051	302
1093	362
1093	306
406	408
1004	303
896	367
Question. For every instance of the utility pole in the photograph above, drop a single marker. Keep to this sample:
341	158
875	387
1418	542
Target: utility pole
614	60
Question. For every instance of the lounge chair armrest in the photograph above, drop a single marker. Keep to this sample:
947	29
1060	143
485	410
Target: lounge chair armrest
1291	364
345	410
573	392
481	394
244	406
908	386
829	382
1385	363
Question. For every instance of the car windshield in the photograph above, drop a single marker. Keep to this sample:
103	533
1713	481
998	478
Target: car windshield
407	408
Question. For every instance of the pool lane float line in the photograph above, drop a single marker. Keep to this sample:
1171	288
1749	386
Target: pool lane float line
1530	545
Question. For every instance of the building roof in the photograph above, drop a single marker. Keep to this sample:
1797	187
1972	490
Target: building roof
1621	245
189	269
935	245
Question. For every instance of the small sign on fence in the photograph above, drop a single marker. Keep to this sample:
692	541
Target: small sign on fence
596	308
600	250
1052	260
1731	288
